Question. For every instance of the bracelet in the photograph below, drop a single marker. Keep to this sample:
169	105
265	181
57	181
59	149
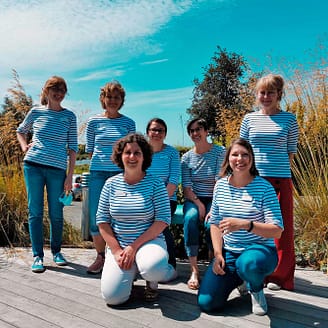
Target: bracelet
250	227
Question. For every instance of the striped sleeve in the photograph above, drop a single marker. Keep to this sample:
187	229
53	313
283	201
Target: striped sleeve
257	202
132	209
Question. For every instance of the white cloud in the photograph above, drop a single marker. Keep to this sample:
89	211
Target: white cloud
155	62
163	99
96	75
42	33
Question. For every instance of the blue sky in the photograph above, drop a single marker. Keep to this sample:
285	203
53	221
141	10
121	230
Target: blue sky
155	48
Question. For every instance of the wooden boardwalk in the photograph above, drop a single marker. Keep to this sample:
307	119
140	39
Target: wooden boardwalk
68	297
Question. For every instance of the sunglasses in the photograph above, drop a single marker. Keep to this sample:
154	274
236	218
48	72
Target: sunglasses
58	89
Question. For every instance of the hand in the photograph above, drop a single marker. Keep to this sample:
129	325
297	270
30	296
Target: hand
208	216
68	184
201	211
218	265
27	147
228	225
125	258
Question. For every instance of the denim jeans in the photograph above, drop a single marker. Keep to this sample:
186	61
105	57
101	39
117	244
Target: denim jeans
96	182
36	178
191	226
169	239
252	266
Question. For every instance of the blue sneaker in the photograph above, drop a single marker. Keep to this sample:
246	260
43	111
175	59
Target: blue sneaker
37	265
59	259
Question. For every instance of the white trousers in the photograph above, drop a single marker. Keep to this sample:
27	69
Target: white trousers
151	262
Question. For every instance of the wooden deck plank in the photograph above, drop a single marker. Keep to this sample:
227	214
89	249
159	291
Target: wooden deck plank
68	297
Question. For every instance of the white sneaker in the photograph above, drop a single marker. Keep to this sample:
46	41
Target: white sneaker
273	286
259	304
242	289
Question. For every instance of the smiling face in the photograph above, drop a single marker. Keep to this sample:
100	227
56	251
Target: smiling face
156	133
56	93
240	159
113	100
132	157
197	133
268	99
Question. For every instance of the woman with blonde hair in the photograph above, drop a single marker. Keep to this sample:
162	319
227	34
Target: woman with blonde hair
54	135
273	134
102	132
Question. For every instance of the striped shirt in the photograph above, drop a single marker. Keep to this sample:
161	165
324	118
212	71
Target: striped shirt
132	209
257	202
165	164
102	133
54	132
272	137
200	171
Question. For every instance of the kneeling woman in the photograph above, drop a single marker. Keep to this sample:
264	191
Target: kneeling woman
133	211
245	219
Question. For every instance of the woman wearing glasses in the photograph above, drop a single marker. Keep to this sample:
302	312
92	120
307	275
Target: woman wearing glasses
54	135
102	132
200	168
165	165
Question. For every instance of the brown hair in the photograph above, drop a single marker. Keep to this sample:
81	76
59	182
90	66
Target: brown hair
158	121
109	88
54	81
226	168
200	121
271	82
143	144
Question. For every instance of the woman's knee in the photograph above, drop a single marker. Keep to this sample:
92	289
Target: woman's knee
206	303
115	296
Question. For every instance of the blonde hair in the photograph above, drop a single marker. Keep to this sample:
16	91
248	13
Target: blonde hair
271	82
109	88
54	81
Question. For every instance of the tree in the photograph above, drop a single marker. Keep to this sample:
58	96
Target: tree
223	94
16	106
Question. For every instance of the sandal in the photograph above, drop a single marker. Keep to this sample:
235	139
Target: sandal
193	282
150	294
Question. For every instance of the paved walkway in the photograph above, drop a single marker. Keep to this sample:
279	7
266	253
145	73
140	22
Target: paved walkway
68	297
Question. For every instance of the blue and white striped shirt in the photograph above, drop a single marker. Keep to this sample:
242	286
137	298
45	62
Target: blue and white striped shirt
54	132
132	209
200	171
102	133
165	164
257	202
272	137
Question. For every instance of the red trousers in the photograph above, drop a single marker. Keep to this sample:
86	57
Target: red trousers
284	272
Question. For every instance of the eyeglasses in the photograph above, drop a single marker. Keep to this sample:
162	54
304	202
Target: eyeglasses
195	130
58	89
160	131
114	97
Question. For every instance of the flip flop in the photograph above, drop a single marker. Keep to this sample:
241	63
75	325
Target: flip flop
193	282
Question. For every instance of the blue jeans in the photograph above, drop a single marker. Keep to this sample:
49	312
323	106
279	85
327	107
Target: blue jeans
169	239
36	178
96	182
252	266
191	226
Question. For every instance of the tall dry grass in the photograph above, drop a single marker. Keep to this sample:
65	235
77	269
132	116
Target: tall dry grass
13	198
308	99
